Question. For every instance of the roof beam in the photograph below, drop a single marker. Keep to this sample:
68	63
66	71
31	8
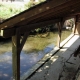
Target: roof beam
58	11
8	32
32	12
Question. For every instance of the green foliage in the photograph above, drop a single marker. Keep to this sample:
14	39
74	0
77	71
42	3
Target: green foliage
1	5
38	30
29	4
41	1
11	10
8	10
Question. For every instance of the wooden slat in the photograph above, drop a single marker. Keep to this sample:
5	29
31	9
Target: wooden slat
35	11
38	10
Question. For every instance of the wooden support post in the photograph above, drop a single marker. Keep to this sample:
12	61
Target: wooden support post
75	26
17	45
59	25
16	56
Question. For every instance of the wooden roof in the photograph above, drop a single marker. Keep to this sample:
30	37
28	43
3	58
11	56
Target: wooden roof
47	11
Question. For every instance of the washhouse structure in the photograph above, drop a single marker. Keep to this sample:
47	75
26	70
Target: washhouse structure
49	12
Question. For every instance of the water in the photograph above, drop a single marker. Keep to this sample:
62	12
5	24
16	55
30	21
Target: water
27	60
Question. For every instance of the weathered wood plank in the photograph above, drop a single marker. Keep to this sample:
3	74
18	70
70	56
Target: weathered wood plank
42	10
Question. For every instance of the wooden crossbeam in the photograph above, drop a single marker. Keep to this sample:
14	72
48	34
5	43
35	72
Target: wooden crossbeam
8	32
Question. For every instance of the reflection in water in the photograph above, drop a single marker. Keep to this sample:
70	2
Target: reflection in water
6	66
27	61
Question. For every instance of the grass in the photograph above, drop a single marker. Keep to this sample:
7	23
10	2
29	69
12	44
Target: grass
65	34
8	9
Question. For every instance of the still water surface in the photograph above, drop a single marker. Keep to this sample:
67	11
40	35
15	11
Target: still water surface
27	60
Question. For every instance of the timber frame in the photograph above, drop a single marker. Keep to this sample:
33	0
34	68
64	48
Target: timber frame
46	13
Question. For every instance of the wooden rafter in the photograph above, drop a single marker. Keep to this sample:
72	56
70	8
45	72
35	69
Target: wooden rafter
51	7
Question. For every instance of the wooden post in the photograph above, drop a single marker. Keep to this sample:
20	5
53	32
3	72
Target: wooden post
17	45
59	25
75	26
16	56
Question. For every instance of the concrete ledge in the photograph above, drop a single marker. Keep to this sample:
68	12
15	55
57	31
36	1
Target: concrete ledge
66	40
44	59
39	64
